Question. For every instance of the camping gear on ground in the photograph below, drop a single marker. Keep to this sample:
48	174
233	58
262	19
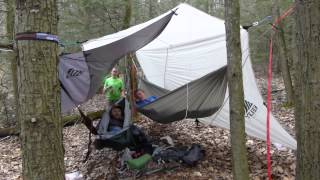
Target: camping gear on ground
170	154
76	175
172	50
168	140
194	155
139	162
164	158
188	156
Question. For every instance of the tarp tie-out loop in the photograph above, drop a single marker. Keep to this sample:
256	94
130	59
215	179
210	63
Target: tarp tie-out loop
197	122
175	11
37	36
257	23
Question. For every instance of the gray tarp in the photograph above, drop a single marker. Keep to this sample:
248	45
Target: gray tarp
152	89
102	59
75	77
82	73
197	99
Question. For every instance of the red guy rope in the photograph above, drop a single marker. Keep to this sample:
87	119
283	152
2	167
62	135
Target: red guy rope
269	109
276	22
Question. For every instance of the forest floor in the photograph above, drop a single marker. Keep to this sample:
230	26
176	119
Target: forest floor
216	142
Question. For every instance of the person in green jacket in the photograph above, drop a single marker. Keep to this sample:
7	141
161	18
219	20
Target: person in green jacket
113	87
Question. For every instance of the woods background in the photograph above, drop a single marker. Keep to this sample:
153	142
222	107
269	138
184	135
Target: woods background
80	20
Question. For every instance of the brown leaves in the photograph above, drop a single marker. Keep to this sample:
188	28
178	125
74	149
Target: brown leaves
216	142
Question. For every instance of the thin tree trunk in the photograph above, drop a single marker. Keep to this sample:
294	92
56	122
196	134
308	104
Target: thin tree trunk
39	92
276	52
131	73
237	124
283	57
12	56
127	14
307	109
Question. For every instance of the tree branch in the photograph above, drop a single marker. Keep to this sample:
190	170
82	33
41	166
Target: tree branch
67	121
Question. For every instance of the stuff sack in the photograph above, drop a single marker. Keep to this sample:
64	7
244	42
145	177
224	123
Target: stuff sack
194	155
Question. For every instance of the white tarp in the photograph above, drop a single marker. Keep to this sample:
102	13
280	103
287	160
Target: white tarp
194	44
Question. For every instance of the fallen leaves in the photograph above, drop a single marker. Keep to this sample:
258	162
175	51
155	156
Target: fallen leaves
216	141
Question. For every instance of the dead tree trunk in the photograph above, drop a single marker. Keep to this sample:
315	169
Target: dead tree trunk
237	124
39	92
282	53
307	111
67	121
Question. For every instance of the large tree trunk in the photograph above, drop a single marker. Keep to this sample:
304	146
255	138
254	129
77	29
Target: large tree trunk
282	53
307	109
39	92
235	85
8	78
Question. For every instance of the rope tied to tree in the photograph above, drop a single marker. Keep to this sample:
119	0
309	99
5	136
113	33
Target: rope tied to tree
276	22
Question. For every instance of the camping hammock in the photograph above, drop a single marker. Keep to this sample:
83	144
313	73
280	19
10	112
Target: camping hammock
197	99
122	138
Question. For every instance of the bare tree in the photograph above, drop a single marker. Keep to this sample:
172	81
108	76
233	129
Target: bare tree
307	109
235	85
39	92
282	53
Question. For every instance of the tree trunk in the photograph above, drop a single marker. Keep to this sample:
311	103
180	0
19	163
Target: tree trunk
39	92
131	73
12	56
307	109
235	85
127	14
282	55
276	68
126	25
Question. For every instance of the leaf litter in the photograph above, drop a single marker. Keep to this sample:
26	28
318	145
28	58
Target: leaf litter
216	141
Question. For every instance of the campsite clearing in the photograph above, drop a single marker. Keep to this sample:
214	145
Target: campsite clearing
216	141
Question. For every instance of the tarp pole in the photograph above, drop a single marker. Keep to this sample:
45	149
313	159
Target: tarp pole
132	77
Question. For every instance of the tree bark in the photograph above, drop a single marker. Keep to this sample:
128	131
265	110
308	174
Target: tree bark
130	70
307	111
282	55
235	84
127	14
39	108
12	56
